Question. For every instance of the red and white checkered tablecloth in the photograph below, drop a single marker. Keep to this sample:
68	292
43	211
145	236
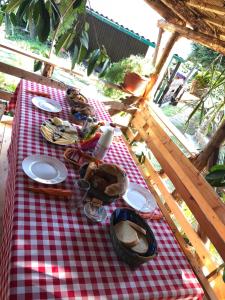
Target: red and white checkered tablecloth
47	252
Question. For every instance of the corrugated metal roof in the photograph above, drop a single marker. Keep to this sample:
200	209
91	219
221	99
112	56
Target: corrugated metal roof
120	27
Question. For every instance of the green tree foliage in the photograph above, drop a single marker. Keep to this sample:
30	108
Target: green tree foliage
60	22
203	56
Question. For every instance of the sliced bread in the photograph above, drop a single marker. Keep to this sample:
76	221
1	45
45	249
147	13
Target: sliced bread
142	246
126	234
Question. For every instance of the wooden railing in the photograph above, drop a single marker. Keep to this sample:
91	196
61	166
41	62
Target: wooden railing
191	187
151	126
21	73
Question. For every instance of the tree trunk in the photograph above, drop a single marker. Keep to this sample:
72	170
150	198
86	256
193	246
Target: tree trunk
32	29
202	159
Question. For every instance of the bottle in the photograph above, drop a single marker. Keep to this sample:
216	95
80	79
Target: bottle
103	144
86	127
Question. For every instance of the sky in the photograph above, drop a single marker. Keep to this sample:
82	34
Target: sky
138	16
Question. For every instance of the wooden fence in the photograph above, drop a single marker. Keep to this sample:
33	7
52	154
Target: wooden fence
190	187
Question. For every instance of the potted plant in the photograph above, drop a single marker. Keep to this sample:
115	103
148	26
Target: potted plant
200	84
134	83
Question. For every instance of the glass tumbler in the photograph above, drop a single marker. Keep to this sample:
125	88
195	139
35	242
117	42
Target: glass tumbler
81	189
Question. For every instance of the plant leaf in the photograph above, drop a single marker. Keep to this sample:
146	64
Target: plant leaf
82	54
43	27
1	18
77	3
104	67
86	26
84	39
75	56
22	9
13	4
217	168
56	15
93	60
13	19
37	65
63	41
216	178
223	274
36	13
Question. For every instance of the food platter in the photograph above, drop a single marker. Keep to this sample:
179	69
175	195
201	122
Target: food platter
44	169
46	104
139	198
59	133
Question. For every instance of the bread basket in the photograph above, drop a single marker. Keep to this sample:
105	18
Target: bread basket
133	259
94	193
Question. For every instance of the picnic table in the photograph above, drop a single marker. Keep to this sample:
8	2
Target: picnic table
51	252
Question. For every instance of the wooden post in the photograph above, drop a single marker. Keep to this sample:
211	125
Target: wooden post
157	46
160	64
48	70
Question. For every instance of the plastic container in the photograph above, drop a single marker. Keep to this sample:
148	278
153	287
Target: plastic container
103	144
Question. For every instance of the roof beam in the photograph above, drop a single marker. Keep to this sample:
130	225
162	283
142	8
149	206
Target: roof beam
198	37
207	7
189	17
163	10
216	22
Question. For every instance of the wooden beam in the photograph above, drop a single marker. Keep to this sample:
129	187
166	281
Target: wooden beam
17	72
201	38
164	12
207	7
217	22
4	95
48	70
189	17
41	58
219	3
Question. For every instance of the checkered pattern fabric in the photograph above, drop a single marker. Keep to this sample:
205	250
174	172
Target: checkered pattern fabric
49	252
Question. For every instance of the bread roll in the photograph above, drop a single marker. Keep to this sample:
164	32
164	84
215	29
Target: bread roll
126	234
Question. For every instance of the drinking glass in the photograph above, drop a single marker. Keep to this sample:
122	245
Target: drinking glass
81	189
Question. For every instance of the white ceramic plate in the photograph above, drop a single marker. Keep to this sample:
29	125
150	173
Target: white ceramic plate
139	198
46	104
117	131
44	169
